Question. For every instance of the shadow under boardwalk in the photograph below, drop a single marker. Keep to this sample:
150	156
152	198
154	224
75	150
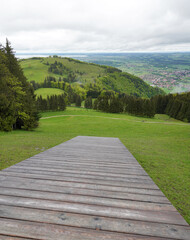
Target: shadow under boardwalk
86	188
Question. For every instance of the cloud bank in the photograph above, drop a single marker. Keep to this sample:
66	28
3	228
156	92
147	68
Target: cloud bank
96	25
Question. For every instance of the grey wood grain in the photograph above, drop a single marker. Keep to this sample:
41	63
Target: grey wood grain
94	222
86	188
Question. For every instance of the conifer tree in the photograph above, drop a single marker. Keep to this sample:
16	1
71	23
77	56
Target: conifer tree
61	102
88	102
95	105
9	89
103	104
78	101
17	94
55	103
116	105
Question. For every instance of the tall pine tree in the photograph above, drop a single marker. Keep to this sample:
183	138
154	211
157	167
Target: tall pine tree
18	106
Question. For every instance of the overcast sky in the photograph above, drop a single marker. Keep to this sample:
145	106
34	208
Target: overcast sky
95	25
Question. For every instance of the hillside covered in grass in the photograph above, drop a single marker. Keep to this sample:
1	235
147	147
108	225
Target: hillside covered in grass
67	70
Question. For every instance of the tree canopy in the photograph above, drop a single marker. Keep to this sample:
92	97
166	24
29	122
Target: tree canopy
17	99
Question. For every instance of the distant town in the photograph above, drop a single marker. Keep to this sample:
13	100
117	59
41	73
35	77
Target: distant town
169	80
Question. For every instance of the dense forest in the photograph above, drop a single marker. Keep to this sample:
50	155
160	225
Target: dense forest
17	100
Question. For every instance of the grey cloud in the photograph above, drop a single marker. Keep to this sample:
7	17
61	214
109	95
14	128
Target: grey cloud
96	25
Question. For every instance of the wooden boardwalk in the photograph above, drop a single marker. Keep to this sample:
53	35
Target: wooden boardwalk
88	188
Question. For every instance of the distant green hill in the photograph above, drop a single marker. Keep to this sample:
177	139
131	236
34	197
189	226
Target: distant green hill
36	69
75	71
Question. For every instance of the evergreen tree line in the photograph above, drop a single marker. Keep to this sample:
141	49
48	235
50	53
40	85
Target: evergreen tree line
124	103
138	106
174	105
51	82
17	99
58	102
74	98
52	103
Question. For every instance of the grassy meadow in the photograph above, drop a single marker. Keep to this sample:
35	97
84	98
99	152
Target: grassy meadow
161	145
44	92
34	70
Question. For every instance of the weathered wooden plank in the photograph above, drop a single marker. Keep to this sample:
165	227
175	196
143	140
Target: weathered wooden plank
109	194
93	157
49	231
117	156
123	156
27	173
85	199
92	209
54	191
79	159
87	163
137	172
87	148
117	181
3	237
95	171
86	145
118	167
93	145
120	197
88	159
90	174
94	222
20	177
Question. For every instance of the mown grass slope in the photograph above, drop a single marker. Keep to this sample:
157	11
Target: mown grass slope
160	145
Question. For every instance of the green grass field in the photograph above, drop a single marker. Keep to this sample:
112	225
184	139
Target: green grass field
44	92
161	145
34	70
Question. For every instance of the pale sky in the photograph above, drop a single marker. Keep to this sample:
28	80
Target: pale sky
95	25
